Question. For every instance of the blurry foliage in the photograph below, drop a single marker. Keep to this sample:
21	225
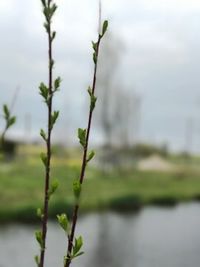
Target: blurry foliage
126	189
8	149
145	150
126	157
59	151
126	203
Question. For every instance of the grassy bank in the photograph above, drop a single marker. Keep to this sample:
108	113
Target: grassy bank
21	186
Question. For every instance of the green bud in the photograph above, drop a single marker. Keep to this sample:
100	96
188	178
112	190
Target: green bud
11	121
89	91
82	136
93	102
77	189
53	188
43	2
95	46
44	92
105	27
54	118
77	247
43	157
52	10
93	99
37	260
7	116
91	156
51	64
43	134
57	83
38	236
39	213
95	58
53	36
6	111
64	222
46	26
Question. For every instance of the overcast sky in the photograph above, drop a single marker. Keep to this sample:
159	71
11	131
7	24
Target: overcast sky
160	61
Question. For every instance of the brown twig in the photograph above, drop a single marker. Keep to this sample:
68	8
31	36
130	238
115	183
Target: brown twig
84	161
47	5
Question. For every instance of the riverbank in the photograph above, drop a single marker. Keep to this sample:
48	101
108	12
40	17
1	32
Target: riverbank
21	189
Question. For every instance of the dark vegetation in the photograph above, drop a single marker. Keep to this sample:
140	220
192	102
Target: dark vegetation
21	186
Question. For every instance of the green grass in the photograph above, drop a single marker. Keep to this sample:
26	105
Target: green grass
21	188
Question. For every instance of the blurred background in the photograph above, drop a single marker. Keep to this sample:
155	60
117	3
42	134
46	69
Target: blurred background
140	202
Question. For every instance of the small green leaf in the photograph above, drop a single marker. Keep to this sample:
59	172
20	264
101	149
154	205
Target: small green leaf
65	259
43	2
53	188
105	27
53	9
7	116
37	260
95	46
82	136
39	213
47	13
89	91
93	102
91	155
43	157
6	111
95	58
64	222
57	83
51	64
11	121
77	189
54	118
79	254
77	247
53	36
43	134
93	99
47	27
38	236
44	92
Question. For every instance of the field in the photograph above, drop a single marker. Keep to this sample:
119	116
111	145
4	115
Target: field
21	187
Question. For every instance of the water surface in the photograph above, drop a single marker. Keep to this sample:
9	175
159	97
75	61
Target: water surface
154	237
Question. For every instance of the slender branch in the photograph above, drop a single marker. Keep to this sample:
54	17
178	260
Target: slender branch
48	149
47	92
91	91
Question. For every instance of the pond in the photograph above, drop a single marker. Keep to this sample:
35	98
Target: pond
154	237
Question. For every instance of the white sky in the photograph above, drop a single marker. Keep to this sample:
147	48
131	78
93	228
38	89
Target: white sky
161	61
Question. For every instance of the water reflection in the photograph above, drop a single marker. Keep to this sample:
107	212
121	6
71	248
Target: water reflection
155	237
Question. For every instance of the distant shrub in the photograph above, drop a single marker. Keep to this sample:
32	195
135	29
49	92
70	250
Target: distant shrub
8	148
166	201
146	150
126	203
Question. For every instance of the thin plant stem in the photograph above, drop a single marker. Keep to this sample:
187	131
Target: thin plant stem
48	144
48	165
84	163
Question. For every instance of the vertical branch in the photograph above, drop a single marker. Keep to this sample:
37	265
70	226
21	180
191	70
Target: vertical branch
83	134
47	92
48	146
